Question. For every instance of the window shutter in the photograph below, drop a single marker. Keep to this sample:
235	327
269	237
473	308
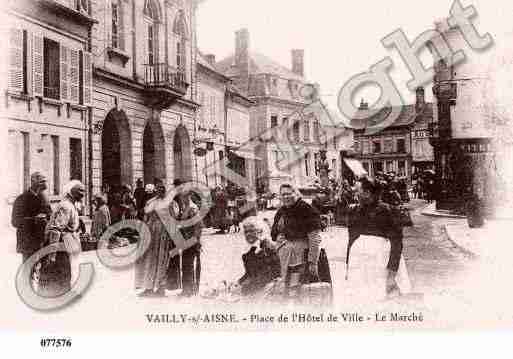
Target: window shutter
37	65
16	60
88	79
73	81
64	75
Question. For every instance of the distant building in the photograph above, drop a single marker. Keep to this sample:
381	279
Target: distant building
277	94
398	147
222	126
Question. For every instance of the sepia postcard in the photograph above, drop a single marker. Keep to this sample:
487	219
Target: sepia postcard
254	166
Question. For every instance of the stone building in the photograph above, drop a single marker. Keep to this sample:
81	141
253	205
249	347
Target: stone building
222	126
467	127
421	150
390	148
144	99
48	100
280	95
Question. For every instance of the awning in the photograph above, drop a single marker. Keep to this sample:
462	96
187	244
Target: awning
355	166
247	155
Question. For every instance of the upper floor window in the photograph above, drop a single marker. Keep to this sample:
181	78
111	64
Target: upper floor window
50	69
307	131
376	147
401	145
274	121
180	32
151	12
295	130
316	131
117	40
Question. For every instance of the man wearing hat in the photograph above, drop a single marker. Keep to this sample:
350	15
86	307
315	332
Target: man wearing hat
30	213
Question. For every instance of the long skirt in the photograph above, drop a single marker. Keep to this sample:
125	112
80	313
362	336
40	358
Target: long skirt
55	277
151	267
367	272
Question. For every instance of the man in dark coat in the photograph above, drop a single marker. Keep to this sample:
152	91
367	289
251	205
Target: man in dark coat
140	198
30	213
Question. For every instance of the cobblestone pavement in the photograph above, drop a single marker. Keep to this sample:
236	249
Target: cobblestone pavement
434	266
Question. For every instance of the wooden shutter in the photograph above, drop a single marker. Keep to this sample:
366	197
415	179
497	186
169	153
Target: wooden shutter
64	73
16	60
74	76
37	65
87	79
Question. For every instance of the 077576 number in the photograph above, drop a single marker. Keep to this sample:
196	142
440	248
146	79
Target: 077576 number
55	343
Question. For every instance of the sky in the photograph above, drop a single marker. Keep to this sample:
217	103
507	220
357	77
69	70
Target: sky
340	38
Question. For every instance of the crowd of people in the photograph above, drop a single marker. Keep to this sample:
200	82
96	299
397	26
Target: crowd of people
287	251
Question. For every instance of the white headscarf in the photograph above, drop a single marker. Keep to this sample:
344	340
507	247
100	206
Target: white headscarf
70	185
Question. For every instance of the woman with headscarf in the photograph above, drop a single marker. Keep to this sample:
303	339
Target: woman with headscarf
151	267
101	217
55	275
297	227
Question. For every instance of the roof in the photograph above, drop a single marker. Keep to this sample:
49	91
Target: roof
405	115
201	60
258	64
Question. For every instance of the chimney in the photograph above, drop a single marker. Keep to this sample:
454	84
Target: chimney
242	58
298	62
242	50
211	59
363	105
420	99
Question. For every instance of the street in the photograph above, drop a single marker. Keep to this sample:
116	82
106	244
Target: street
434	267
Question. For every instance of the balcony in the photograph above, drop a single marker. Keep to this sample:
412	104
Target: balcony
164	85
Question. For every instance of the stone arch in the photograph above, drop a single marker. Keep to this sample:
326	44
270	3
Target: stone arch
182	154
180	25
154	151
116	147
153	10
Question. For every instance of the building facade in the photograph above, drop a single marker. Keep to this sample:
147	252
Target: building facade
279	101
397	147
144	99
48	100
222	126
463	129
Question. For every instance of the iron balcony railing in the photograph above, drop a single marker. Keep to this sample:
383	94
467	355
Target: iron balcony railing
163	75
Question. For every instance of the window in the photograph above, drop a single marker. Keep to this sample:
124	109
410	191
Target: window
18	60
378	167
316	131
390	166
389	146
307	167
56	167
334	167
180	33
401	145
75	158
152	18
307	131
376	147
274	121
117	26
402	168
51	75
295	130
212	110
